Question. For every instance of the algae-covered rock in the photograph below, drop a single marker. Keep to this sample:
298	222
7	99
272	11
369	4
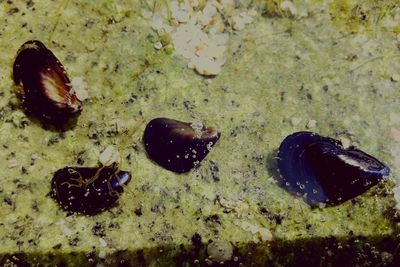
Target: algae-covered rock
292	63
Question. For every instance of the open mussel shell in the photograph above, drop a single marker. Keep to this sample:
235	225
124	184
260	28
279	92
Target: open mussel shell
47	91
323	171
176	145
88	190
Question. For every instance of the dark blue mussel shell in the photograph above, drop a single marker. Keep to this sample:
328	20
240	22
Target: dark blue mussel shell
175	145
323	171
88	190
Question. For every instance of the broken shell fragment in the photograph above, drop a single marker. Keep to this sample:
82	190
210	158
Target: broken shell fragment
323	171
88	190
47	91
109	156
176	145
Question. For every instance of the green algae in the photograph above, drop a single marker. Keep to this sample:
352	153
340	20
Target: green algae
279	69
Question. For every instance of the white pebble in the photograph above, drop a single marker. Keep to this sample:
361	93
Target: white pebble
181	16
287	5
205	66
102	242
220	250
79	86
102	254
158	45
147	14
265	234
295	121
157	23
209	10
12	163
345	142
238	23
311	124
109	156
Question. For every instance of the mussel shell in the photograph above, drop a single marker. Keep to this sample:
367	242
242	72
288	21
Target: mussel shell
175	145
88	190
323	171
47	91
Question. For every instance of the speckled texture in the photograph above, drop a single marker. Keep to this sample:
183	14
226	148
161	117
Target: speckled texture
281	72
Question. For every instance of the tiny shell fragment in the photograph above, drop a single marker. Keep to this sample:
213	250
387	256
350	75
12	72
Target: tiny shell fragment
79	85
109	156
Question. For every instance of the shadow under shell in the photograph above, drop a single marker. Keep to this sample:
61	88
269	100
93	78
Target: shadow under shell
323	171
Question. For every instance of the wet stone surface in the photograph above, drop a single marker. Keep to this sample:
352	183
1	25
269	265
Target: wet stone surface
290	69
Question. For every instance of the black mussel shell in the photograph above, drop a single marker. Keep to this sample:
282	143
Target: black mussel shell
47	91
176	145
88	190
323	171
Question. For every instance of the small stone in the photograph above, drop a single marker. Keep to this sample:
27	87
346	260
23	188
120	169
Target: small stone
295	121
181	16
109	156
395	77
311	124
79	86
395	134
121	125
265	234
209	10
238	23
246	18
102	254
287	5
205	66
158	45
102	242
147	14
345	142
157	23
12	163
220	250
